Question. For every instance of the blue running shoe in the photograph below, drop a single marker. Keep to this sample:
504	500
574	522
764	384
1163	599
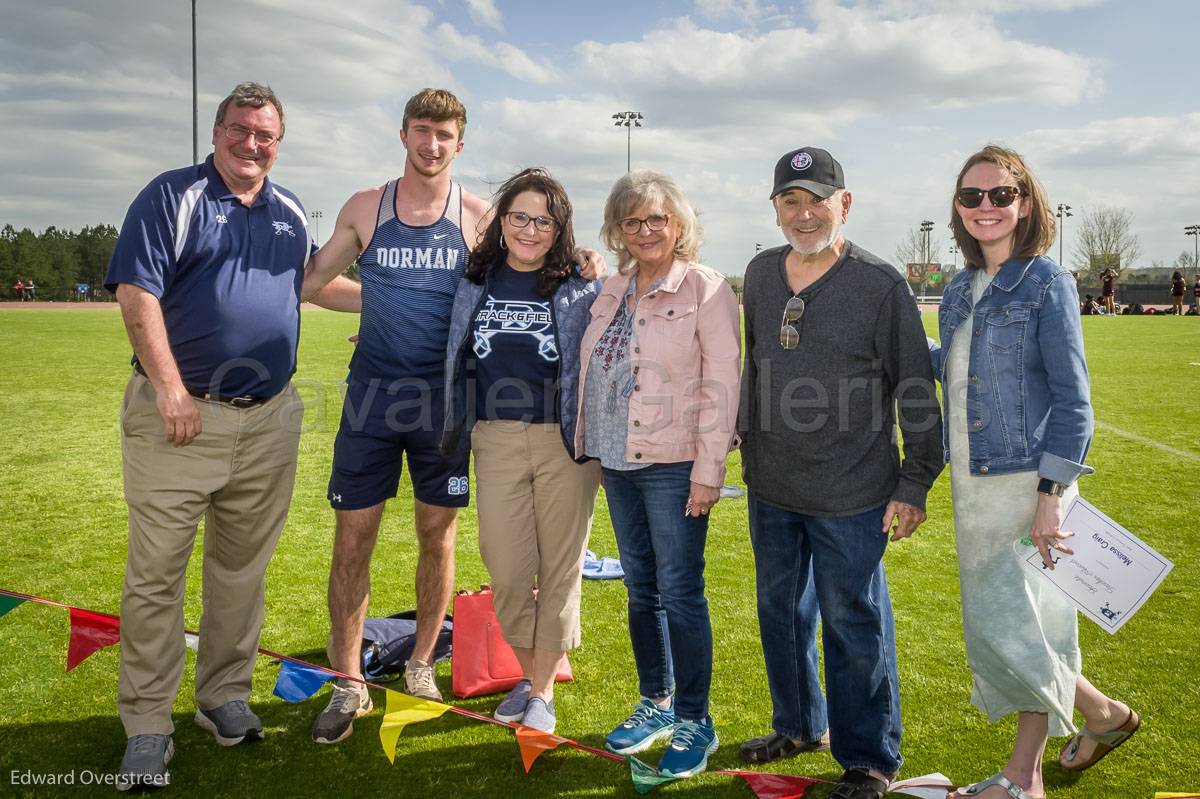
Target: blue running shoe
691	744
645	725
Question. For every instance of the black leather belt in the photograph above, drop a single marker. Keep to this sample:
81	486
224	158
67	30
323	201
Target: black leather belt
245	401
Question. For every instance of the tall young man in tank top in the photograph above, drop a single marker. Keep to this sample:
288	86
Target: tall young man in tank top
412	237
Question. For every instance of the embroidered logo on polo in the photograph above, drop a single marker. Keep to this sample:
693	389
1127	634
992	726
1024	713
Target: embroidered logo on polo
515	317
283	227
801	161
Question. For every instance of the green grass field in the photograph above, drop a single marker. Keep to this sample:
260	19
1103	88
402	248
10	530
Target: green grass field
64	538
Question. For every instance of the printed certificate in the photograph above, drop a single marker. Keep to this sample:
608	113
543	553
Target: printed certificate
1111	574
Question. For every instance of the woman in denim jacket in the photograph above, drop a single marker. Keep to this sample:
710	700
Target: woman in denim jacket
659	394
1018	426
512	368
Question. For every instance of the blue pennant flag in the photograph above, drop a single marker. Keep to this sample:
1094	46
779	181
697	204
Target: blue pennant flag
297	683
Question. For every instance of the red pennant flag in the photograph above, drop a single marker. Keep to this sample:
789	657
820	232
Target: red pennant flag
534	742
776	786
89	633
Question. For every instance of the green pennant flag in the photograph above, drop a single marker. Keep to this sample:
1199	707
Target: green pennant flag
7	603
646	778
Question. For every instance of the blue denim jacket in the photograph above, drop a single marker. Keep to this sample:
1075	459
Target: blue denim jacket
1027	388
570	312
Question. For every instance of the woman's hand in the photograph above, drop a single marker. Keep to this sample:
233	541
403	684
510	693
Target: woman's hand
701	499
1045	531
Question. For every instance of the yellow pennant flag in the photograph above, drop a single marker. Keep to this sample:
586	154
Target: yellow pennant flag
403	710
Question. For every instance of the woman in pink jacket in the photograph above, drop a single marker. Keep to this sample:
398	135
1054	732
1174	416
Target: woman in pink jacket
658	404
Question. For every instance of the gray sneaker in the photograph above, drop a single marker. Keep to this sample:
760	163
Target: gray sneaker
539	715
231	723
349	701
419	681
513	706
145	762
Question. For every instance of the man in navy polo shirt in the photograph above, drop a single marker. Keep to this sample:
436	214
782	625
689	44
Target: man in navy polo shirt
207	270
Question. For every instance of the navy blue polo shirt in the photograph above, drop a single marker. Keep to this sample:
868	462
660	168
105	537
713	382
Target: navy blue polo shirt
228	277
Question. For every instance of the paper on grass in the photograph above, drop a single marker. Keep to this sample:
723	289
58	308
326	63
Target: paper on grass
930	786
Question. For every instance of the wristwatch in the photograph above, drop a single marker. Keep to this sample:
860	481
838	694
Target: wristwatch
1048	486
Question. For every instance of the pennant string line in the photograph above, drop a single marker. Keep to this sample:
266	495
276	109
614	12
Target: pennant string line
462	711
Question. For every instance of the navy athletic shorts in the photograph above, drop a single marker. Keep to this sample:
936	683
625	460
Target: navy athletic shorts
380	427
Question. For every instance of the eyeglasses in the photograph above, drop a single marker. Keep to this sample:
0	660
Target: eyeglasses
1001	196
631	225
520	220
789	330
237	133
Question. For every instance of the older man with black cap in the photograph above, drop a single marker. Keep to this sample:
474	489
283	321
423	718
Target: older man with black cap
835	358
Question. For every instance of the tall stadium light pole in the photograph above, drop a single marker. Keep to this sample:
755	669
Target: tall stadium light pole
954	252
316	218
195	102
1063	212
926	227
629	120
1194	232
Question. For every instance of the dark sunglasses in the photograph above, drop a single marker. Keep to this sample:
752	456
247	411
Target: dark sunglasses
1001	196
789	331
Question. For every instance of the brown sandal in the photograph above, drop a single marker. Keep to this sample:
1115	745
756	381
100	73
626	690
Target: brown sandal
1105	743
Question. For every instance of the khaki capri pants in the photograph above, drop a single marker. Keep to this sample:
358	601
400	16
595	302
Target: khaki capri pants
535	514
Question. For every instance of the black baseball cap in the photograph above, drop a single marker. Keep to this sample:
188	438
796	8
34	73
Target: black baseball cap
809	168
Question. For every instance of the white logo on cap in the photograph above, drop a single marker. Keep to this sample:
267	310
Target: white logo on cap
802	161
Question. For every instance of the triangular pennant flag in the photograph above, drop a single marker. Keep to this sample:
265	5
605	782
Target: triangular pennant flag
646	778
534	742
90	632
297	682
775	786
401	711
7	603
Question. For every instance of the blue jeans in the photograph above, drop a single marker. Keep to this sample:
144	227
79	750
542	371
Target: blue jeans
834	565
662	553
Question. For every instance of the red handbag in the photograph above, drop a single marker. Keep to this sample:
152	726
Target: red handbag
482	662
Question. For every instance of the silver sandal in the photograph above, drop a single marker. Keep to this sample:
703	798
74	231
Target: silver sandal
1000	781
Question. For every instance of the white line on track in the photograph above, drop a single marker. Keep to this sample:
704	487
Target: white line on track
1148	441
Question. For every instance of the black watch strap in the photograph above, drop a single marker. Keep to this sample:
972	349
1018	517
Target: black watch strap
1048	486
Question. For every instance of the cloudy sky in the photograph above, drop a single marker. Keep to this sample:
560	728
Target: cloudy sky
95	99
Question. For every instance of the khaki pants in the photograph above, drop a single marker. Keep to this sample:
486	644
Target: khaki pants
238	475
535	513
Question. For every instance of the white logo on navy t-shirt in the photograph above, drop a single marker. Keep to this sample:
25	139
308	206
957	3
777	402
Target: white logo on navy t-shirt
518	317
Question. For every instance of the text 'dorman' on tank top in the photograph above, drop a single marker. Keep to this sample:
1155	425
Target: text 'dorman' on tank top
409	276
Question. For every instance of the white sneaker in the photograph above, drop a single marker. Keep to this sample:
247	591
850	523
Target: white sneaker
419	681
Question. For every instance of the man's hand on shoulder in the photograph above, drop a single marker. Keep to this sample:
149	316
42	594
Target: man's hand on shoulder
591	263
907	519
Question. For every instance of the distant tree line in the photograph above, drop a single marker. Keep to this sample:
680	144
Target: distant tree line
57	260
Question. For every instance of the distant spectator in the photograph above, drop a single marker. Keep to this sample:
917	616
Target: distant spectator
1090	307
82	290
30	290
1196	296
1178	287
19	290
1108	279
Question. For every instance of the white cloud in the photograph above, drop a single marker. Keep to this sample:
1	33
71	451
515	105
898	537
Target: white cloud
850	63
458	46
742	10
484	12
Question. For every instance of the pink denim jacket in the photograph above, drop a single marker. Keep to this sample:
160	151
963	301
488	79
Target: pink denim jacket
686	356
